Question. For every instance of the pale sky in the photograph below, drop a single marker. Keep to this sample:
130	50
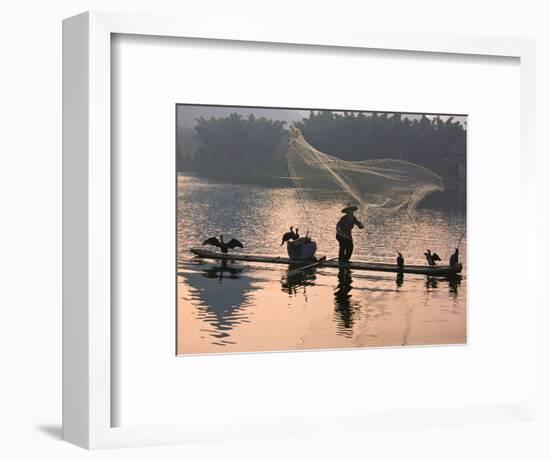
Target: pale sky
188	113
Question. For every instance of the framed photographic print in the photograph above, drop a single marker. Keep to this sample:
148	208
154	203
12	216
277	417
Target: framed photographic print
283	276
230	192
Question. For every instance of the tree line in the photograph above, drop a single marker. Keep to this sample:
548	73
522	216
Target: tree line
250	149
363	136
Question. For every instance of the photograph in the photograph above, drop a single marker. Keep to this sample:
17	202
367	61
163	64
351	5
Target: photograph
316	228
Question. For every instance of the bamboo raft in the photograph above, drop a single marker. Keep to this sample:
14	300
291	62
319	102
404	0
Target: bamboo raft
440	271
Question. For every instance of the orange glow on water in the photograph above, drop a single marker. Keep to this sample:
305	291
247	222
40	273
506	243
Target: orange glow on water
249	307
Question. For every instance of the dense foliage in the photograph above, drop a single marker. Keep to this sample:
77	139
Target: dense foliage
235	149
252	149
362	136
235	137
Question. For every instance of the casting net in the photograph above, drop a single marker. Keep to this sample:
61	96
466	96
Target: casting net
380	188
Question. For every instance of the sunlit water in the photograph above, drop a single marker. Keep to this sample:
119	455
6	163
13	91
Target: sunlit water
244	307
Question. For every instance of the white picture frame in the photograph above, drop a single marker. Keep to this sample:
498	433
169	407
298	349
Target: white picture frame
87	360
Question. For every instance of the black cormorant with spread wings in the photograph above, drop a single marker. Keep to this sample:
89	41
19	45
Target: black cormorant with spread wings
223	246
432	258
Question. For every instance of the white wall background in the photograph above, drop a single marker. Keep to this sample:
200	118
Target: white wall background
30	231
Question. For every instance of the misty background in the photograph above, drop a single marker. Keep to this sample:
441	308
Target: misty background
248	145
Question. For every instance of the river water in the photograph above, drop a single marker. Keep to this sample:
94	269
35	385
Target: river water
249	307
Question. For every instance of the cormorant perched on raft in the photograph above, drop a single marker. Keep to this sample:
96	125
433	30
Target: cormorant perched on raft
223	246
400	260
432	258
454	258
292	235
288	235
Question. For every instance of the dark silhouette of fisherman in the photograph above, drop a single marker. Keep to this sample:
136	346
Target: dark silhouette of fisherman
343	233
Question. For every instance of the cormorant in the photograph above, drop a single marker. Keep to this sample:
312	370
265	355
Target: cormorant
288	235
400	259
432	258
428	255
454	258
296	235
223	246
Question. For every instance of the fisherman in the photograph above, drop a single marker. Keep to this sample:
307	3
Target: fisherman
343	233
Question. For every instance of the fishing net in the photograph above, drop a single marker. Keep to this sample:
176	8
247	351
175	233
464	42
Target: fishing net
380	188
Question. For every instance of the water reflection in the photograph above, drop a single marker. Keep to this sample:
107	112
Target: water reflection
454	283
294	279
431	283
344	306
237	307
219	272
220	291
399	280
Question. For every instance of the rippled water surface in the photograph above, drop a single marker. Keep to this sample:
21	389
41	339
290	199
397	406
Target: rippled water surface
244	307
